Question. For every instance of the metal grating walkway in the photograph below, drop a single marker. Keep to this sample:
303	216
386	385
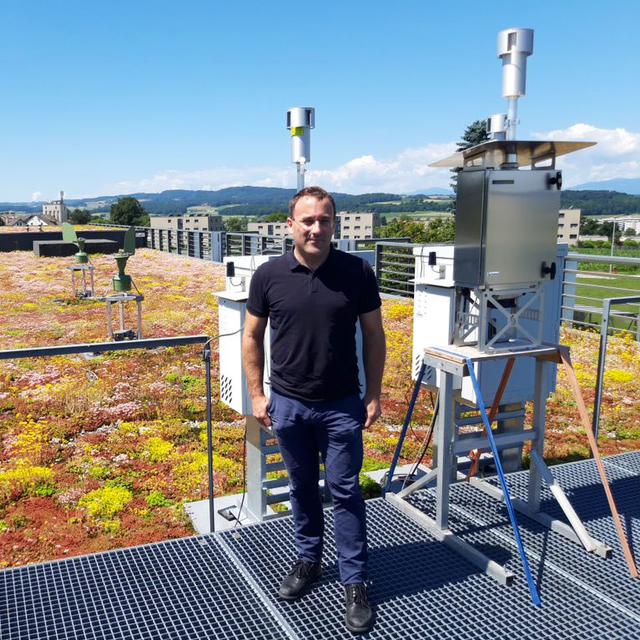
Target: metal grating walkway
224	586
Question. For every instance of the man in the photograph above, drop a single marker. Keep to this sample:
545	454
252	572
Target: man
313	297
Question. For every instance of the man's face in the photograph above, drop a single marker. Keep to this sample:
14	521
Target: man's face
312	225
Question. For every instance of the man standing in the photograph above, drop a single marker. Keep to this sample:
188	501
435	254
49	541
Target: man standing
313	297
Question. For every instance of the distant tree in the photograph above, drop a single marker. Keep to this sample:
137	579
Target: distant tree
475	133
1	222
441	230
237	225
275	217
404	228
129	211
80	216
589	227
630	231
437	230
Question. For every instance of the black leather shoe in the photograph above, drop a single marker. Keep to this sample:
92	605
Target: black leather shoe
302	575
359	616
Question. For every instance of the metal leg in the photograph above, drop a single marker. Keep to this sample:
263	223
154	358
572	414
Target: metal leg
587	541
539	419
256	473
467	551
139	309
444	439
109	320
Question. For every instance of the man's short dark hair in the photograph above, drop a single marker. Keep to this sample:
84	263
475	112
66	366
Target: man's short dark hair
314	192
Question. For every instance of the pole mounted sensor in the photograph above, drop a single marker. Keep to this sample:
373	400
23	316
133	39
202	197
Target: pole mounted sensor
300	121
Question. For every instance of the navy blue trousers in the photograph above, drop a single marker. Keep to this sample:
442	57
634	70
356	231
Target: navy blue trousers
332	429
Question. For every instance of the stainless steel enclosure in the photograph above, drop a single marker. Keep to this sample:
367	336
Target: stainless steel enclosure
506	227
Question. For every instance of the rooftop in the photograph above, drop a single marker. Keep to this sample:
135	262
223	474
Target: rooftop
224	585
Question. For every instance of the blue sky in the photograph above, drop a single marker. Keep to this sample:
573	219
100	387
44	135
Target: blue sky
118	97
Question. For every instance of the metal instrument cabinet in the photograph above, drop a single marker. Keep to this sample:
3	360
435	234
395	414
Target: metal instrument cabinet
506	226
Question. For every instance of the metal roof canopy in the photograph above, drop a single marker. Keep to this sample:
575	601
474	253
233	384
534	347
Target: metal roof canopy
495	153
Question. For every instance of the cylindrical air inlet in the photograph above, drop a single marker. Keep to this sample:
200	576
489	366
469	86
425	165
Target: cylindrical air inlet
514	47
496	126
300	121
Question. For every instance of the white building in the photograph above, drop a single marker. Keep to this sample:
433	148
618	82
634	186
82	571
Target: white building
356	226
624	222
56	210
275	229
569	226
188	222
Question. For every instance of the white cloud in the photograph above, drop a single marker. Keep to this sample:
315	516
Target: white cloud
35	196
407	171
617	155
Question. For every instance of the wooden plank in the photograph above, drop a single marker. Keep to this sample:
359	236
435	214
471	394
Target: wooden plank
586	423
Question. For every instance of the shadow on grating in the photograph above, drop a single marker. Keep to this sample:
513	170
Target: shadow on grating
182	589
424	590
476	518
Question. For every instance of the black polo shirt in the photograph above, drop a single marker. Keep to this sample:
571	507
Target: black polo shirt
313	317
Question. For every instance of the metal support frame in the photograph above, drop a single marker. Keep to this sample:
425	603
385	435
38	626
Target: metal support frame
121	299
87	290
607	303
473	315
456	362
150	343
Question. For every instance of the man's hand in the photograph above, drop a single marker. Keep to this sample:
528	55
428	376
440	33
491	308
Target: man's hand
260	410
372	406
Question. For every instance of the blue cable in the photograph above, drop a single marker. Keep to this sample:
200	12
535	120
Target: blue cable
535	597
405	426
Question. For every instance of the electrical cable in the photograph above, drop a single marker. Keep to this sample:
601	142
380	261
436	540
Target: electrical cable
426	443
533	590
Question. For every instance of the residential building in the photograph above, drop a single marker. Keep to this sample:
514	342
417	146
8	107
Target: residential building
275	229
13	219
188	222
569	226
41	221
56	210
624	222
356	225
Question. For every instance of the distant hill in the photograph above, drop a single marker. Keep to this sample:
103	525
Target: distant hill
432	191
623	185
255	201
595	203
244	200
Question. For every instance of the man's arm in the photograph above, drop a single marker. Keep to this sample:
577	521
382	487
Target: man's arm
374	352
253	360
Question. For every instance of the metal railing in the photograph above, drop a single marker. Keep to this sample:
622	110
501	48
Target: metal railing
584	285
